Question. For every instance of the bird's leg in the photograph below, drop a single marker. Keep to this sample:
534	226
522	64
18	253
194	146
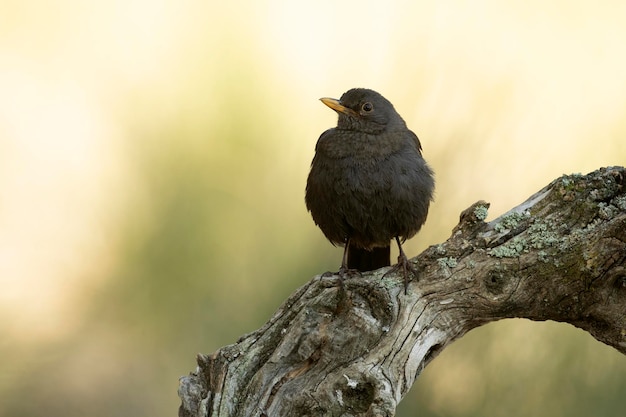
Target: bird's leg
403	262
344	259
345	270
406	266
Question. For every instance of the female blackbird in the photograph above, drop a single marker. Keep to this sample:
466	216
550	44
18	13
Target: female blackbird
368	182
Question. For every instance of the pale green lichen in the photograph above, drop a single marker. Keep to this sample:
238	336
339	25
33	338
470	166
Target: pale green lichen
553	236
569	181
440	249
447	262
388	282
481	212
510	221
512	249
542	235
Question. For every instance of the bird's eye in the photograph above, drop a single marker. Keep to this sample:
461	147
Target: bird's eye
367	107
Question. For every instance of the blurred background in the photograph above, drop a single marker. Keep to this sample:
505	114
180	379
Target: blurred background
153	159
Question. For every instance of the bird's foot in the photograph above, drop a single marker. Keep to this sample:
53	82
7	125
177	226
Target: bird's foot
407	269
343	273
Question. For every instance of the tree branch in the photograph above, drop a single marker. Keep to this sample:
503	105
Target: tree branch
355	347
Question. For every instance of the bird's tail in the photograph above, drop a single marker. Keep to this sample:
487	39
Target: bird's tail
368	260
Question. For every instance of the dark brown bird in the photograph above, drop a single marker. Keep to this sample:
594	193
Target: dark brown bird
368	182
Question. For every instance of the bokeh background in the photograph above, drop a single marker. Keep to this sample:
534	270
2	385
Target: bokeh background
153	158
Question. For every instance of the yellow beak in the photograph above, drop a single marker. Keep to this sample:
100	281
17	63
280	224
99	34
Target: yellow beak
338	107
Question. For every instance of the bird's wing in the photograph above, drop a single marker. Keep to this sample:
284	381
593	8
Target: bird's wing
417	141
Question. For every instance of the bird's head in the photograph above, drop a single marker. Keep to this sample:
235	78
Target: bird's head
364	110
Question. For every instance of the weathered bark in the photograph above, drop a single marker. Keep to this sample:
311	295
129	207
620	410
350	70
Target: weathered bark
354	349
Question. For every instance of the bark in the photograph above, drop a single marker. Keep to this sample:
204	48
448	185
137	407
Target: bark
354	347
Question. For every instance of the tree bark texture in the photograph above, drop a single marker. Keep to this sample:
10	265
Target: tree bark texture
354	347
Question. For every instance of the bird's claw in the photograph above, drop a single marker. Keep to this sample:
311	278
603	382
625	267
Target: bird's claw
406	267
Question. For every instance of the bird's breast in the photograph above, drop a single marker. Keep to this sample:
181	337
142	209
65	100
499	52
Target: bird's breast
338	144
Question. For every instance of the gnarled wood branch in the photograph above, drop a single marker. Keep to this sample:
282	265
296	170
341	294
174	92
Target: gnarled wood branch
355	347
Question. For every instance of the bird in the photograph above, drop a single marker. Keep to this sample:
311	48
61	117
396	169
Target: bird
368	183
